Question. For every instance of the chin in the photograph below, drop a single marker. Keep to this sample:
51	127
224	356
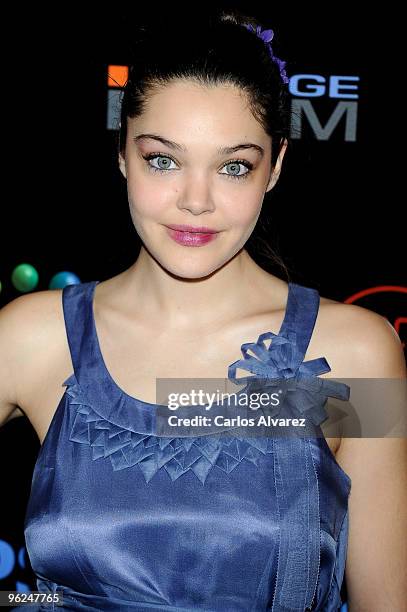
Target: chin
190	270
190	267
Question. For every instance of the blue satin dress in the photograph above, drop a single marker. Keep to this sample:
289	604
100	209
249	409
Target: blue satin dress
120	518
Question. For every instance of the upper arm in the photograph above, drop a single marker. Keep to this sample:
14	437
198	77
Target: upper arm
8	359
25	339
376	566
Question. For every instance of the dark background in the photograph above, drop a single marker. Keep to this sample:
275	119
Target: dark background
337	209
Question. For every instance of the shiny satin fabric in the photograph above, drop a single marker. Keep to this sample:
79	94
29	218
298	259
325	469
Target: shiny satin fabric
120	518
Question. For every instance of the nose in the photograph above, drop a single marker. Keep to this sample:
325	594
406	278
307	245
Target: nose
196	196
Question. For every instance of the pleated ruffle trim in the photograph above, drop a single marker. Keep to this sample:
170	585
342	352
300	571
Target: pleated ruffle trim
152	453
118	429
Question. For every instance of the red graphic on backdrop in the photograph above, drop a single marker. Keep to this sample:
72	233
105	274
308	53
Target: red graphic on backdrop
398	322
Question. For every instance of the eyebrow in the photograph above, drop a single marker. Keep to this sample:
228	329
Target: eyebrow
222	150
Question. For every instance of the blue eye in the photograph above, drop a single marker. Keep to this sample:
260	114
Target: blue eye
155	156
163	170
237	163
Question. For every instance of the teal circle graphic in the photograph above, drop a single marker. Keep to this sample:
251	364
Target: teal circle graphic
24	277
61	279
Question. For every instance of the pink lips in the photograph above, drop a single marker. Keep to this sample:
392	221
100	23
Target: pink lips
188	235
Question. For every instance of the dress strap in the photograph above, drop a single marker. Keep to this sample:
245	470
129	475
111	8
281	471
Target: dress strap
77	309
297	492
300	316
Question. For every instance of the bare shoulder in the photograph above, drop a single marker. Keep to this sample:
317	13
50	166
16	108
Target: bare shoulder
358	342
32	336
30	318
29	306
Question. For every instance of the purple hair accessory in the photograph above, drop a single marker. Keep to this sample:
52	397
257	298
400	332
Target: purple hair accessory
267	37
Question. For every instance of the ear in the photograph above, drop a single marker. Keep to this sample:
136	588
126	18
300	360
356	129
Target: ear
277	167
121	160
122	165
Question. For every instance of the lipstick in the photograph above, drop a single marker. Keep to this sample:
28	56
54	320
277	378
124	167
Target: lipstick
188	235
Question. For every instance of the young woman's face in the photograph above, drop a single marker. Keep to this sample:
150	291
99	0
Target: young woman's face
193	182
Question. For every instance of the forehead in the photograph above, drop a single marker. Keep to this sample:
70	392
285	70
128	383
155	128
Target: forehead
190	112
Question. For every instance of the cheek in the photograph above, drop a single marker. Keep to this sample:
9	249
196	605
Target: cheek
146	198
243	211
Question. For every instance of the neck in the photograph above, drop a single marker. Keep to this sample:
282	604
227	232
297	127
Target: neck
193	302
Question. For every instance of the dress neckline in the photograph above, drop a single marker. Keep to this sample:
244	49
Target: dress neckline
100	400
136	400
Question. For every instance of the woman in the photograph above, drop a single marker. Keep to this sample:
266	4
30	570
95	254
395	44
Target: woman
122	518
